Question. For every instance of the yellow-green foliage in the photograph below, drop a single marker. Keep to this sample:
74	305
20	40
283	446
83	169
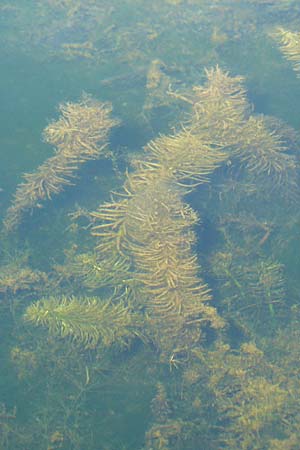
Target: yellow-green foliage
289	44
15	277
94	272
163	436
266	280
251	288
249	393
159	405
151	227
219	108
186	158
262	149
221	118
145	236
161	243
86	320
25	362
80	134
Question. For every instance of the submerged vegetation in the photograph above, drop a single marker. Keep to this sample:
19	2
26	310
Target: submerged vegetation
80	134
88	320
154	303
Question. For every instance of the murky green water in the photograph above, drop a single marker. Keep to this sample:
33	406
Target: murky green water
152	302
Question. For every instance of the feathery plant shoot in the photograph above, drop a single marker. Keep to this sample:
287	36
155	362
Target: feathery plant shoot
88	321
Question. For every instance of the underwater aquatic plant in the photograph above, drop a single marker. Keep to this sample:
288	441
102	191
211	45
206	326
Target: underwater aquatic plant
151	227
88	321
16	277
80	134
263	151
289	44
94	272
219	108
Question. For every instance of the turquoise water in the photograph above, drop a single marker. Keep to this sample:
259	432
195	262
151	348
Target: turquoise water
162	372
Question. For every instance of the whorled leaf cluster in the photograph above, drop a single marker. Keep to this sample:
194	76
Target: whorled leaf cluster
263	151
289	44
145	237
16	277
89	321
80	134
145	245
151	226
249	393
